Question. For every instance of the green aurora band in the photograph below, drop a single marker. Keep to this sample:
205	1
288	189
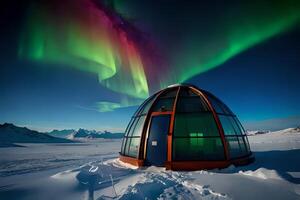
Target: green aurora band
241	32
86	42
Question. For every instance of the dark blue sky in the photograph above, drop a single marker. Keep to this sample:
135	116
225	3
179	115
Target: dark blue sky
261	85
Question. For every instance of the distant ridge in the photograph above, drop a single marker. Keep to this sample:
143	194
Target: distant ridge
283	131
61	133
82	133
9	134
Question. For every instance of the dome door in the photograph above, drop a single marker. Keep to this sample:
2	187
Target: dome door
157	140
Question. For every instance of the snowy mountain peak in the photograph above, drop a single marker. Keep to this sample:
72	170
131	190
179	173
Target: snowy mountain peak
83	133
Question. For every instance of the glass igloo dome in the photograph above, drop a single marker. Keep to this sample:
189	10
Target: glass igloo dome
185	128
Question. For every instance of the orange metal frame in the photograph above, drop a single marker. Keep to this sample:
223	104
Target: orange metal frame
132	161
148	128
183	165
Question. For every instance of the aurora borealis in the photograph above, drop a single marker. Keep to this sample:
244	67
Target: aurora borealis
134	48
87	39
92	38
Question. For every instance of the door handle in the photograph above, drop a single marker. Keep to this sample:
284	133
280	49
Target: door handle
154	143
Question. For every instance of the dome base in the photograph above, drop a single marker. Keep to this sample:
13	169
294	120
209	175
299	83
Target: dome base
202	165
193	165
132	161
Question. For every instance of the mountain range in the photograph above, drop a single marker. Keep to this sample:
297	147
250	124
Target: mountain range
61	133
83	133
10	134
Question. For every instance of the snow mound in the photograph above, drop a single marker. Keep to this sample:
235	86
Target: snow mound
262	173
288	131
65	175
190	191
160	184
280	132
118	163
113	179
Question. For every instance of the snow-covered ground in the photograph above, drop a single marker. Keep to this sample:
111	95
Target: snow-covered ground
87	170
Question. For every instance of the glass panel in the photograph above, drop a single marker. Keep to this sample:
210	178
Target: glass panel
129	126
236	127
247	144
243	147
139	126
198	149
225	109
215	104
147	105
165	101
123	145
240	125
189	124
169	93
233	146
140	107
134	147
187	92
127	146
227	125
191	104
165	104
218	105
132	127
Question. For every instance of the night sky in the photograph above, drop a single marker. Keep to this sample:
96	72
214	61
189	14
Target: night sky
88	63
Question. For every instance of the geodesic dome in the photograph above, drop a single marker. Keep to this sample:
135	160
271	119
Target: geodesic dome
185	128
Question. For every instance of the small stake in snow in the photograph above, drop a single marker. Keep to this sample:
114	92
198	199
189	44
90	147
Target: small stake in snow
112	184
